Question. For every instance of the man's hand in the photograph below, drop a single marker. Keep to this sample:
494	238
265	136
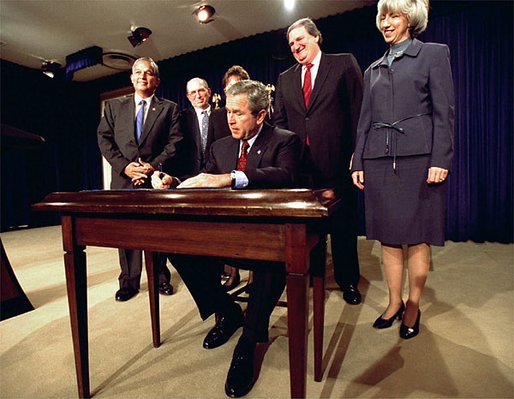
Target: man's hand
137	172
206	180
161	180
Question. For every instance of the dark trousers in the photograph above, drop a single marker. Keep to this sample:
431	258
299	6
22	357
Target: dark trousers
202	278
131	263
342	224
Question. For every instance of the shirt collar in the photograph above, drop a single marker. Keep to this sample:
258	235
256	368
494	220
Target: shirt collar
200	110
315	62
252	140
138	98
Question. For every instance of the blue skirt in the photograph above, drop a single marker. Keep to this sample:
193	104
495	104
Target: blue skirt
401	207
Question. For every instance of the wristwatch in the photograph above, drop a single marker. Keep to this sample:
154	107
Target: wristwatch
233	177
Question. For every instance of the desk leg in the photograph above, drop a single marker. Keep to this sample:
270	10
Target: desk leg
76	283
297	266
153	291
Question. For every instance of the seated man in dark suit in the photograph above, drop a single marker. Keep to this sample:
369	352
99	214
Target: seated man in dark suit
256	155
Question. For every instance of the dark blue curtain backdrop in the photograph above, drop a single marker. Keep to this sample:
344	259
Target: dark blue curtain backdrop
479	34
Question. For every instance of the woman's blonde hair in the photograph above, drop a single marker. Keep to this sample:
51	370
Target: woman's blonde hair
416	12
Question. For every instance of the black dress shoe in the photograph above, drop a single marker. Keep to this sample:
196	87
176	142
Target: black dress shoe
240	378
124	294
226	326
232	282
165	289
351	294
407	332
381	323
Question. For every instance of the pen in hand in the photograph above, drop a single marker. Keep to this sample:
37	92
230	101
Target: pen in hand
161	174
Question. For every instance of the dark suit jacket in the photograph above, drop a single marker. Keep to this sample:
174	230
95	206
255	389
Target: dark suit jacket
332	116
190	160
272	161
117	142
423	105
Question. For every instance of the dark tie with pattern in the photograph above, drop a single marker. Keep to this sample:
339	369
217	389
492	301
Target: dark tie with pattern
241	163
140	120
205	128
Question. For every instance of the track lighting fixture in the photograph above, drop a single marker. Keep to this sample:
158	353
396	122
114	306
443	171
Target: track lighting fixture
204	13
139	35
49	68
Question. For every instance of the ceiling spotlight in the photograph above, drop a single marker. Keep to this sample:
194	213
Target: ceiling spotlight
139	35
49	68
204	13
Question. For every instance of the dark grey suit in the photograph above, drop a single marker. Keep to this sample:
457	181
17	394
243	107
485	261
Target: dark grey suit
117	142
330	122
272	162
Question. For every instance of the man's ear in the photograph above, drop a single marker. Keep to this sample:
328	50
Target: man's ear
261	116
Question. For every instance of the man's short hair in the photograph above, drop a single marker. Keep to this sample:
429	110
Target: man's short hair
309	26
153	65
234	70
258	98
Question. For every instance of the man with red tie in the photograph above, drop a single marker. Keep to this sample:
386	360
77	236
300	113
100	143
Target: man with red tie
256	155
319	99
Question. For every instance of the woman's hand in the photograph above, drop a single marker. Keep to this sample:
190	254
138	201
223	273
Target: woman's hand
358	178
436	175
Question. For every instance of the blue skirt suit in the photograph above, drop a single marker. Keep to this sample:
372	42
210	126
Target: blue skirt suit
406	127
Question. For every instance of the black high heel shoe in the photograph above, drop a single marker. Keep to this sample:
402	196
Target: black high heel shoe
381	323
407	332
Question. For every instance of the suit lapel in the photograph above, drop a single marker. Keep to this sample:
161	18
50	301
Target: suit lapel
297	87
127	117
259	147
195	133
156	108
321	76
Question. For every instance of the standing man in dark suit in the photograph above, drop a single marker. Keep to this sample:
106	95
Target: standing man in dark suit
256	155
319	99
137	135
195	125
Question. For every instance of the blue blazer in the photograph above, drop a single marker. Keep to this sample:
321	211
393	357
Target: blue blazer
408	108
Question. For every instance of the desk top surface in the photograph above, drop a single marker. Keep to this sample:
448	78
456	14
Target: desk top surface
296	203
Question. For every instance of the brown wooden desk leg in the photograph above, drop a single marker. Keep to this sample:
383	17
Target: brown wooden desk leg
319	323
153	292
297	309
76	283
297	266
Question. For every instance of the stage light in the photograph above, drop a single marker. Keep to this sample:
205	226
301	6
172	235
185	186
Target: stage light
139	35
204	13
289	5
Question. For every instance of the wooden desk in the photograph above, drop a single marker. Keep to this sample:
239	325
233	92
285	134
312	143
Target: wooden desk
277	225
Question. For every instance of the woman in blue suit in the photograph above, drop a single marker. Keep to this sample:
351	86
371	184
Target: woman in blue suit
403	153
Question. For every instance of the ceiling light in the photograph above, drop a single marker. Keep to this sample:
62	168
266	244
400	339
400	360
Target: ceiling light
289	5
49	68
204	13
139	35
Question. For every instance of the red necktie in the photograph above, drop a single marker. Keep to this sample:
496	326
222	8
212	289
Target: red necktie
307	90
307	85
241	163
